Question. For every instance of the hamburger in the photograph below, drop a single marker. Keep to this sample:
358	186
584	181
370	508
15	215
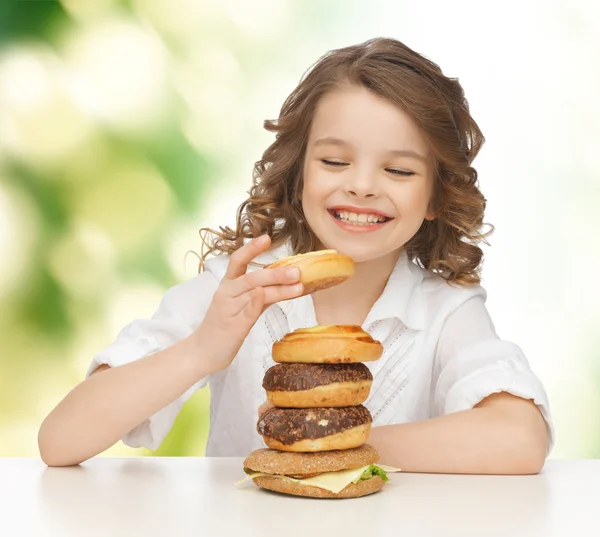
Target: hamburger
319	270
347	473
327	344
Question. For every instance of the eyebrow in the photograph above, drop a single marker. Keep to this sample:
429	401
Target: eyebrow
395	152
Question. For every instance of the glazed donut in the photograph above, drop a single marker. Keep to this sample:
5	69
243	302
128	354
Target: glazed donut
327	345
319	270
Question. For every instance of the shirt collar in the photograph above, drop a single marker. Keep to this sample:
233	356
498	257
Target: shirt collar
401	297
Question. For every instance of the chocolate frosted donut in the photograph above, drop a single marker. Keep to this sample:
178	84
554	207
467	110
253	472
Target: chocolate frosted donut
315	429
317	385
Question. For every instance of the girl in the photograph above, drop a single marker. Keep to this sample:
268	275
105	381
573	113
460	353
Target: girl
372	157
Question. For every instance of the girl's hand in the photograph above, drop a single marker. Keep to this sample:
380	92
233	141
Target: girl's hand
239	301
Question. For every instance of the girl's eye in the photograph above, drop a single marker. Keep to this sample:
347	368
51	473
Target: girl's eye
333	163
393	171
403	173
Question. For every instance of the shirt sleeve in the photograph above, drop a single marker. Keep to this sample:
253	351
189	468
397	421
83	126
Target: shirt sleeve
472	363
180	312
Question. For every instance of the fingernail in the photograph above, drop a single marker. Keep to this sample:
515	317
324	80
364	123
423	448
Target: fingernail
262	239
292	273
297	288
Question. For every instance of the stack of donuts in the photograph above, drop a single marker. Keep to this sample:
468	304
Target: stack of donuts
317	389
317	429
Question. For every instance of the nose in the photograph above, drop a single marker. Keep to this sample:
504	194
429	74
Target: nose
361	184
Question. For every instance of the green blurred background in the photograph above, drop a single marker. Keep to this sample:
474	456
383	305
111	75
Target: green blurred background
125	126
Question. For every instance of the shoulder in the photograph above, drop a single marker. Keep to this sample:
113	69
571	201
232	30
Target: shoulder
186	301
441	298
216	267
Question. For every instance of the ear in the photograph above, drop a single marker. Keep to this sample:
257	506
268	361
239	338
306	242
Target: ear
430	214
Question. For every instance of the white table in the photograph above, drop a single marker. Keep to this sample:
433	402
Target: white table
195	497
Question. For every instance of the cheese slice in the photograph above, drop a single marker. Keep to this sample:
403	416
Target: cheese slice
331	481
387	469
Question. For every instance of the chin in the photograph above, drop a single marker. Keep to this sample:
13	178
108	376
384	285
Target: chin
358	253
361	256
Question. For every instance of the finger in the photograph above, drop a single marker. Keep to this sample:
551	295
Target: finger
254	307
269	294
277	293
238	262
264	278
237	304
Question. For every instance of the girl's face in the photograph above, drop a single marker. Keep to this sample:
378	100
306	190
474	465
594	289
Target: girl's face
368	175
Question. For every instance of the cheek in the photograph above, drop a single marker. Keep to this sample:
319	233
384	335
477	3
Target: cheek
414	199
315	188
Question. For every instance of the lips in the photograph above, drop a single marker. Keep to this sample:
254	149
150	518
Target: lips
359	217
359	222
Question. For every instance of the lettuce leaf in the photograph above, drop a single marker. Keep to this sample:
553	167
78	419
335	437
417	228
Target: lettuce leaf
371	471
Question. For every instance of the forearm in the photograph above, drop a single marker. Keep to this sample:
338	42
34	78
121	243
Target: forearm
102	409
484	440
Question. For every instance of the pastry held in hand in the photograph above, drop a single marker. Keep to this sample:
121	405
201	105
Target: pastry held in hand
317	385
315	429
319	270
332	344
349	473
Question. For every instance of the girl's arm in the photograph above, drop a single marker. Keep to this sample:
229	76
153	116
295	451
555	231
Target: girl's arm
112	402
102	409
503	434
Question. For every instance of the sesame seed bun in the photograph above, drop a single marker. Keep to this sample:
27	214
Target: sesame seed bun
362	488
269	461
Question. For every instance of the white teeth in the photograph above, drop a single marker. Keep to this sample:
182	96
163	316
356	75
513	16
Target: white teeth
361	219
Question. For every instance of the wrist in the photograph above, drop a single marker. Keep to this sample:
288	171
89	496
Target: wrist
197	357
203	353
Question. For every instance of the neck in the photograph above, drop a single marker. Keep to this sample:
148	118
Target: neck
351	301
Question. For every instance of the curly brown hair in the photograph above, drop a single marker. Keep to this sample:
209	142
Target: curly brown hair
446	245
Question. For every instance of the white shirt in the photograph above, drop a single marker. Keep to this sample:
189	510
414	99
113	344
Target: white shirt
441	355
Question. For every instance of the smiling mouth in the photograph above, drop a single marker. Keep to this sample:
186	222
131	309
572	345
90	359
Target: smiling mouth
359	219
